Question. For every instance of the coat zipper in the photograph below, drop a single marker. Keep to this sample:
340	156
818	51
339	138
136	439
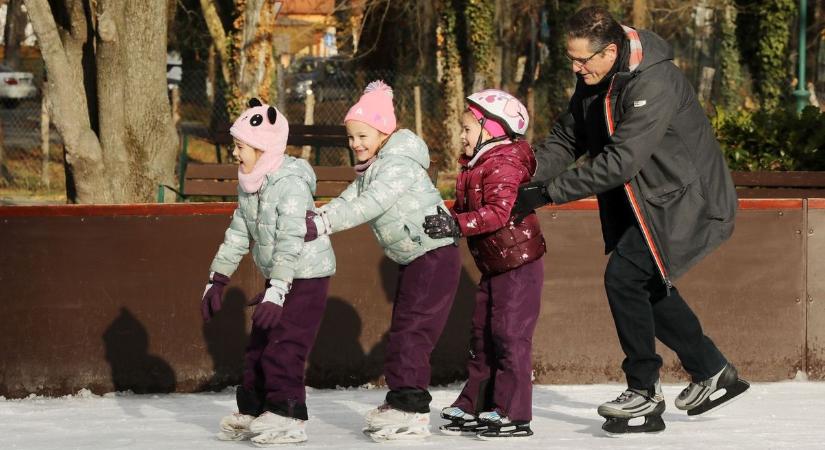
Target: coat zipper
634	204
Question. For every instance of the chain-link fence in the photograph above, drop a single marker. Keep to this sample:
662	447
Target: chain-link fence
318	97
30	169
31	153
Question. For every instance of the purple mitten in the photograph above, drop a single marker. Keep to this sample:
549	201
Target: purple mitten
260	296
268	312
312	230
267	315
212	295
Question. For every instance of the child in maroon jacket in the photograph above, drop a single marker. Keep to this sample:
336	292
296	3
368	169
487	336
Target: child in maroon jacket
497	399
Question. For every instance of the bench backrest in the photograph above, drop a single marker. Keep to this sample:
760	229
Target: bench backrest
299	135
222	179
779	184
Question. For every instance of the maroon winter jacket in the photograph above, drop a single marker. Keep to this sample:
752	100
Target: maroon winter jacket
485	194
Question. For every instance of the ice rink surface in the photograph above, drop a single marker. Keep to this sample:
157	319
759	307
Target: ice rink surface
770	415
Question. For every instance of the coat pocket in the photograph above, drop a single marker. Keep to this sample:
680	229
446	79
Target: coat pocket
681	222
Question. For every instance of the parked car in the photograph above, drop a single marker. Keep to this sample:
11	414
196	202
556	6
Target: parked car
15	86
327	78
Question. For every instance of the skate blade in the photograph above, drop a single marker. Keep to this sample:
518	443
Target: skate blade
732	392
272	439
460	432
234	435
504	437
379	437
617	427
627	434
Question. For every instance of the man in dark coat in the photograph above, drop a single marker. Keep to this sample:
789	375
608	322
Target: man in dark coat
666	199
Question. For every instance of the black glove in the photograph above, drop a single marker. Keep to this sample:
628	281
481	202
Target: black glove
530	196
441	225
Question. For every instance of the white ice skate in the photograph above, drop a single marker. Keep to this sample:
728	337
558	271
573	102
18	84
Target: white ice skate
698	398
500	427
386	423
633	403
235	427
273	429
460	422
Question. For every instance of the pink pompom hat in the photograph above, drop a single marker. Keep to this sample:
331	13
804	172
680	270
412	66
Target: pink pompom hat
375	108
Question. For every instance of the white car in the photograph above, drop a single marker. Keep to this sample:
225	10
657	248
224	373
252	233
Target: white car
15	86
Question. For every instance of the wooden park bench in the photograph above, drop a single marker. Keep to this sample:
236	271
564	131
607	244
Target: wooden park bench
779	184
319	136
221	180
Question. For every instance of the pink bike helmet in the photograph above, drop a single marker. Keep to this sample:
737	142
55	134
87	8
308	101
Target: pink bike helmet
502	108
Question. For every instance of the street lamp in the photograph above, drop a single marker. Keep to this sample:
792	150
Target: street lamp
801	94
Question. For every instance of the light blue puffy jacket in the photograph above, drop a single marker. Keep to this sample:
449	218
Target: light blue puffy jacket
393	196
275	219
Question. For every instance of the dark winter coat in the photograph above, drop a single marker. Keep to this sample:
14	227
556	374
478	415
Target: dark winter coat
648	138
485	194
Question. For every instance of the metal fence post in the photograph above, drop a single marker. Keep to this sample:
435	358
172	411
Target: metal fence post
309	119
44	136
801	93
418	127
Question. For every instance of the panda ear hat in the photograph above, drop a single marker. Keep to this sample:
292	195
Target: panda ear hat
261	126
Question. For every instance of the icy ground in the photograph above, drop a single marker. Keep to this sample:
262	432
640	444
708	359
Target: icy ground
770	415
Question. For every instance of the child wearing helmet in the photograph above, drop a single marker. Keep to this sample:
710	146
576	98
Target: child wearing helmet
496	401
392	192
275	193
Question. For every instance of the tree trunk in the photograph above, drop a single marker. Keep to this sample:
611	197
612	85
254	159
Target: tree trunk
122	148
640	14
452	84
731	85
246	53
63	58
482	30
14	33
252	52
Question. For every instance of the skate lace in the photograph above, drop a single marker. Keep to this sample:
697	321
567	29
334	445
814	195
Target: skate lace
624	396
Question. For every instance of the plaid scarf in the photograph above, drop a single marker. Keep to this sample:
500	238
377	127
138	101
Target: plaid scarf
636	54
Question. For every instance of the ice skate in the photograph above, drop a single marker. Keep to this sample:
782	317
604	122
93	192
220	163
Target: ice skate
460	422
235	427
501	427
631	404
386	423
698	398
273	429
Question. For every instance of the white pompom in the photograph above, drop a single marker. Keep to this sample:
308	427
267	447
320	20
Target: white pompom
379	85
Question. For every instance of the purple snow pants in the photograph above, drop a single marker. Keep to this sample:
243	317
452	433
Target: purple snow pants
423	298
500	364
273	377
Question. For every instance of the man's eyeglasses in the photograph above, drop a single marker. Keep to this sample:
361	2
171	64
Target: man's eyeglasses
583	61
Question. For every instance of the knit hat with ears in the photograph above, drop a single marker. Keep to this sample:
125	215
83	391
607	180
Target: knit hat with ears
264	128
374	108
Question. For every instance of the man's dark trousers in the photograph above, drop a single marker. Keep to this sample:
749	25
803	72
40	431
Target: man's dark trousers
642	311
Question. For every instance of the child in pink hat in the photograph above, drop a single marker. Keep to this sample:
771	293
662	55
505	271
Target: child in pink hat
393	193
274	197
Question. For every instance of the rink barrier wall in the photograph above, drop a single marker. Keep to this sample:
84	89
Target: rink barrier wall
106	297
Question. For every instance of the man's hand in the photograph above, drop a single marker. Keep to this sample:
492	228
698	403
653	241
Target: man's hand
441	225
530	196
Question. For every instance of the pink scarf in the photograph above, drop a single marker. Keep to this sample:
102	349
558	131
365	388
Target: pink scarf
269	162
361	168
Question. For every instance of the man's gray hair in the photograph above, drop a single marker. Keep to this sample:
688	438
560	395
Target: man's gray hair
595	24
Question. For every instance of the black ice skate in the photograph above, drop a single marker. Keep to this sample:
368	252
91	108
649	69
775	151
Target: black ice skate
460	422
699	398
633	403
500	427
